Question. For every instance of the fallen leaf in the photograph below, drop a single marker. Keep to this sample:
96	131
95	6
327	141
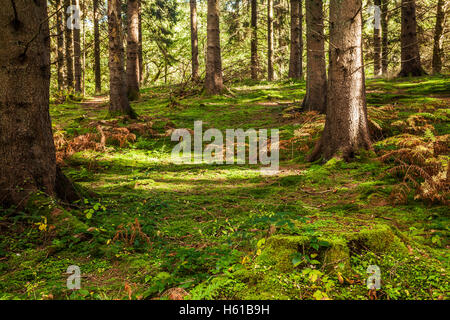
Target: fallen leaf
340	278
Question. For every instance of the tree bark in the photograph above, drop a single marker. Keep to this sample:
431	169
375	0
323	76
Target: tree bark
438	30
377	45
270	40
118	100
384	36
69	47
133	49
294	67
60	43
97	67
77	51
194	41
254	41
27	151
141	61
281	52
411	65
300	37
83	9
214	79
316	77
346	127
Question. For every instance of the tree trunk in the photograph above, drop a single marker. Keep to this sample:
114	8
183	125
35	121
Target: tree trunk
118	100
281	52
300	37
27	151
377	44
97	67
194	41
83	8
438	30
254	41
77	50
69	47
133	49
346	127
213	80
294	68
384	36
141	61
316	76
411	65
270	40
60	43
236	21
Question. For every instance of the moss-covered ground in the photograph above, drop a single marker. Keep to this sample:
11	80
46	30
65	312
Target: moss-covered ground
148	228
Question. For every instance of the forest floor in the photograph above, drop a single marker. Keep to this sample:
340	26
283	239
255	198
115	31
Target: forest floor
151	229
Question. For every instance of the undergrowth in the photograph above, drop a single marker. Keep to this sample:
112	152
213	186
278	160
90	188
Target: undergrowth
150	229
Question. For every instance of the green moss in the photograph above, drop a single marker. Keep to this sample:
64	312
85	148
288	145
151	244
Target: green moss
279	252
337	257
257	284
379	238
333	163
67	223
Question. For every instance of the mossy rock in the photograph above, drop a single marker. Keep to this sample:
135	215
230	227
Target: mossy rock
280	250
378	239
66	222
337	257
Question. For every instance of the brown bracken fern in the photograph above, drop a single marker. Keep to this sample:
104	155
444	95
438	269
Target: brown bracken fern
422	162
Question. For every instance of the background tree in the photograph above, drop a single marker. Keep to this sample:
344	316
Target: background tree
97	66
160	19
346	128
133	49
213	80
300	37
60	42
254	40
411	65
167	46
194	40
77	49
69	46
27	151
84	19
316	77
140	56
233	21
118	99
282	35
294	64
438	30
377	42
270	40
384	36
